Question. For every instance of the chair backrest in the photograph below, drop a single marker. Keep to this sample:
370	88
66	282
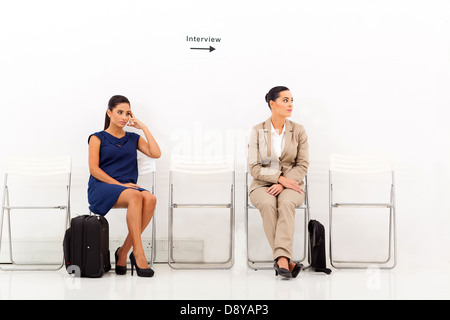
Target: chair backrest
146	165
209	165
360	164
20	166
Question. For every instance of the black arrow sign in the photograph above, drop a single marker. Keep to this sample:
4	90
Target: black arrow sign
211	49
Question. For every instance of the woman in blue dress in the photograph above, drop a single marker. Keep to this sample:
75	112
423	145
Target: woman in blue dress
114	173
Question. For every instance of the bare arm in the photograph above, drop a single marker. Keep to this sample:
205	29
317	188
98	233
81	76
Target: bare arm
150	147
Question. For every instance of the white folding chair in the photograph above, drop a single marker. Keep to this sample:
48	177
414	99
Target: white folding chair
34	168
147	167
203	166
268	264
351	166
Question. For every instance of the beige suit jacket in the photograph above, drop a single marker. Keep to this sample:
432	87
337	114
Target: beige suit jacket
265	167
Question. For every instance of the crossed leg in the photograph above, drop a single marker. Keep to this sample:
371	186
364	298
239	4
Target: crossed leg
141	206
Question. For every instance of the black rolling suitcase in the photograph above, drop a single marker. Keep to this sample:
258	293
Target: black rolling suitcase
86	246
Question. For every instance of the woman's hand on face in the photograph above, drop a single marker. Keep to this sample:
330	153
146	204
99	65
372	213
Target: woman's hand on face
290	184
135	123
275	190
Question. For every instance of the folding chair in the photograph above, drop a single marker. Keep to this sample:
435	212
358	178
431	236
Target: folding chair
34	168
351	166
192	167
268	264
147	167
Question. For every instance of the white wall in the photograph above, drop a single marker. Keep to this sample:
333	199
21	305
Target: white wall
367	77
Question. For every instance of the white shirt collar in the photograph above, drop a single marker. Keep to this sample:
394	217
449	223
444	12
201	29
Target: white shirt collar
273	129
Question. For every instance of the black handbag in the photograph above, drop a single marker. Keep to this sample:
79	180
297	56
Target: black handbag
86	246
317	242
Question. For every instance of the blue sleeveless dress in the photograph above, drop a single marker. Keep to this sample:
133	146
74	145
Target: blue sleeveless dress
118	159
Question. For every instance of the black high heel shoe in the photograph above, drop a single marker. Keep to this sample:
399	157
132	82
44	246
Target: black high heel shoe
119	269
284	273
146	273
295	272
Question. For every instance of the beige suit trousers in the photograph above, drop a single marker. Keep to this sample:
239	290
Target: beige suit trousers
278	214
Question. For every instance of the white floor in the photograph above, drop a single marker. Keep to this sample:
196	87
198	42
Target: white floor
238	283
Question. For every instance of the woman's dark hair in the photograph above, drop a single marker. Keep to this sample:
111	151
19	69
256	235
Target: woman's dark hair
113	102
274	94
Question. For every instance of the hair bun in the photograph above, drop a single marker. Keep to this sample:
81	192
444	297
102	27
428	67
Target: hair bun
274	94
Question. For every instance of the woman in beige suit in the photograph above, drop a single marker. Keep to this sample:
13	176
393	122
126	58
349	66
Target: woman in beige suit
278	162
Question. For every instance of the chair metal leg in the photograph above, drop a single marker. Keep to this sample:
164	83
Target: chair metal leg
170	222
392	246
3	211
307	244
153	253
330	217
393	221
1	230
379	263
29	266
201	265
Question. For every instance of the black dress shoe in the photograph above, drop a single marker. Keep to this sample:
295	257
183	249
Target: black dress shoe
120	270
282	272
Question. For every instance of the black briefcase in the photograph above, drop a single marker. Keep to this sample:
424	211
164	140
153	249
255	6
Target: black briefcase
317	242
86	246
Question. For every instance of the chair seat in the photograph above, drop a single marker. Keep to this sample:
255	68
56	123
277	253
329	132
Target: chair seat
300	207
363	205
226	205
35	208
